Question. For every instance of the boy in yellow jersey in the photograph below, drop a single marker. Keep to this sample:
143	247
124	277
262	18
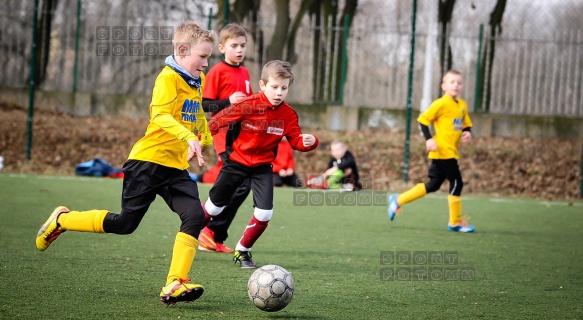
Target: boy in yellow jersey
450	118
157	164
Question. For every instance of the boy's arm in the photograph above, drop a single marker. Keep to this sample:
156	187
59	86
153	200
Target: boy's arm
225	118
425	131
214	106
296	141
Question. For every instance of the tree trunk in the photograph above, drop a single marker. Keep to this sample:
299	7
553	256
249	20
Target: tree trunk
331	12
291	56
319	55
279	38
348	13
445	11
495	24
43	40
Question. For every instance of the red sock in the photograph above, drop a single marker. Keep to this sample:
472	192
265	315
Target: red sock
252	232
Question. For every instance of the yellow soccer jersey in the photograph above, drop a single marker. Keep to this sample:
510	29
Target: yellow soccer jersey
449	118
176	116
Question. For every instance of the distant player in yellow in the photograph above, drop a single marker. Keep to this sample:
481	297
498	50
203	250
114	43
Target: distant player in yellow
157	164
451	121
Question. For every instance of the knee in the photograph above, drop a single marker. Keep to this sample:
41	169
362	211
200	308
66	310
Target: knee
433	185
262	214
456	188
127	226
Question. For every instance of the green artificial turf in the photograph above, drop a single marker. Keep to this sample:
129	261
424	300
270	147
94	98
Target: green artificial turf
524	261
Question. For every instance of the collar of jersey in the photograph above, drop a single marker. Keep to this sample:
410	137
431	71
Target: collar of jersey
192	81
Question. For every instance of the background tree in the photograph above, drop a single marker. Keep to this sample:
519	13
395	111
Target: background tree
445	11
495	25
327	19
43	40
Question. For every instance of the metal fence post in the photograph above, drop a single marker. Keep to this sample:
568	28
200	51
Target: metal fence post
581	175
227	11
210	23
344	58
478	69
31	85
410	94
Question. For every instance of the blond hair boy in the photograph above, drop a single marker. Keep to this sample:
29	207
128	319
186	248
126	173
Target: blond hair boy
157	164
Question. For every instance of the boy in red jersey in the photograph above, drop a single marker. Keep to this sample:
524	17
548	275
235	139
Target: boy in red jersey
450	118
226	83
259	122
157	164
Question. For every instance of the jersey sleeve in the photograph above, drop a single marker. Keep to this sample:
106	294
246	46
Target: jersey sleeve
225	118
427	117
293	135
164	98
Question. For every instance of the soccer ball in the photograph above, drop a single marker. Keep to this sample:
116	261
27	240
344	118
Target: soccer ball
271	288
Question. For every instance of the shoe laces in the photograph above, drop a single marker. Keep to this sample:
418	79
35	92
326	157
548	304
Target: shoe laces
464	221
183	282
242	256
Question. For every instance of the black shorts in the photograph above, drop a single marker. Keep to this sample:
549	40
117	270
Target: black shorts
144	180
233	174
441	169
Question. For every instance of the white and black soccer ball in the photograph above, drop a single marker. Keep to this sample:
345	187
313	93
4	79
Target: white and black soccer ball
271	288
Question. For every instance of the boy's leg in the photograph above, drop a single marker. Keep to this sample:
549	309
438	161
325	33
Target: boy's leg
136	199
220	224
412	194
278	181
262	186
293	181
183	198
436	178
456	184
230	178
334	179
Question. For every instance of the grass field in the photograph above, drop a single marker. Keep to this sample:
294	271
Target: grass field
526	258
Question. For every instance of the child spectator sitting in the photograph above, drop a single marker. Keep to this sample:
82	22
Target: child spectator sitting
342	172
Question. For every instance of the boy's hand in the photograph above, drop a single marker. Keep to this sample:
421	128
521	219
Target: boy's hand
431	145
194	149
308	139
330	171
236	97
466	136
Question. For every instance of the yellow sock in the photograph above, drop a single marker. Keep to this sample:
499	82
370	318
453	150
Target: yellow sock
182	256
412	194
455	209
84	221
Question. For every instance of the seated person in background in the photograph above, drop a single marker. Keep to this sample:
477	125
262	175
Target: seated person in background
284	167
342	172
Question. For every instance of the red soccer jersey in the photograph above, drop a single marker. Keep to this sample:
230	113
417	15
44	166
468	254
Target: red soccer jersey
262	128
284	158
222	81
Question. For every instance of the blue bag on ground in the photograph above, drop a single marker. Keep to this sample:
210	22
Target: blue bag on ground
95	168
